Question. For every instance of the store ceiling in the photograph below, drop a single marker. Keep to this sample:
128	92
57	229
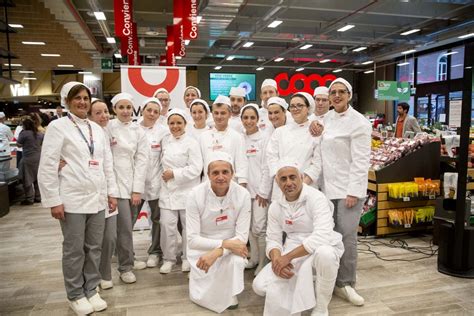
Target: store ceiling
69	28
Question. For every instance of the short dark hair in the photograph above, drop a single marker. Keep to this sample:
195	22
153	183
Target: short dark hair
405	106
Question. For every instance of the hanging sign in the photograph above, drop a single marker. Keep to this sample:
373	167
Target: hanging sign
393	90
170	56
129	46
123	17
190	14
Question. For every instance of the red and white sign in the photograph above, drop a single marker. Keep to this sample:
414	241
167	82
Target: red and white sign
305	79
129	46
178	30
142	81
170	56
190	14
123	15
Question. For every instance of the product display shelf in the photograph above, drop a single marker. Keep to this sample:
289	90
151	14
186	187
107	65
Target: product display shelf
424	163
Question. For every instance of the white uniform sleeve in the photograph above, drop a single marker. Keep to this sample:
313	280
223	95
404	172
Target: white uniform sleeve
112	189
315	167
194	167
273	154
240	161
48	175
9	134
274	230
359	168
141	163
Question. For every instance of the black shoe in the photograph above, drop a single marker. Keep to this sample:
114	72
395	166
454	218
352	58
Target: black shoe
26	202
37	200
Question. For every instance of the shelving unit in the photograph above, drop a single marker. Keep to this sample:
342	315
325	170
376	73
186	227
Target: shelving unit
6	53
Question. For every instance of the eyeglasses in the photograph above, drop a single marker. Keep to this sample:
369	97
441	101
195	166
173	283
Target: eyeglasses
339	92
296	107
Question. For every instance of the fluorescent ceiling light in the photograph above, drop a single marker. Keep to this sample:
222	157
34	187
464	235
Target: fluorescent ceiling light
468	67
198	19
324	61
275	23
368	62
230	58
14	65
359	49
259	68
26	72
111	40
337	70
409	51
218	67
457	65
279	59
65	66
306	46
15	26
466	35
178	57
368	71
346	28
117	55
450	53
50	55
33	43
403	64
29	78
248	44
85	72
186	42
300	69
100	16
410	32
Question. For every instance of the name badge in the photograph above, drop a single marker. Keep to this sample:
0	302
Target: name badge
220	220
155	147
216	147
94	165
289	222
113	141
252	151
262	125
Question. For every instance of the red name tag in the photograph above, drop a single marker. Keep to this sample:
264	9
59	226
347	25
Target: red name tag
155	146
251	152
216	147
288	222
113	141
262	125
221	220
93	164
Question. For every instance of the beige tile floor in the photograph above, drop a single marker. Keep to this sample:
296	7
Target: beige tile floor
31	280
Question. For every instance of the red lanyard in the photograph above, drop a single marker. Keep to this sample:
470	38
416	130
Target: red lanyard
91	145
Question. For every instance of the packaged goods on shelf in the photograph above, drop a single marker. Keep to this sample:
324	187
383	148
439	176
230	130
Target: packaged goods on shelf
409	217
450	185
420	188
369	210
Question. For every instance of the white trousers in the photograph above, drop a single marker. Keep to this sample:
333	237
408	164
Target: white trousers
169	233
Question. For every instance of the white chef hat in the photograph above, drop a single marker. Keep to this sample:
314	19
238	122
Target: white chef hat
250	105
148	100
223	100
269	82
2	115
121	96
179	112
280	101
344	82
220	156
160	90
283	163
193	87
321	90
94	99
200	101
238	92
309	97
65	91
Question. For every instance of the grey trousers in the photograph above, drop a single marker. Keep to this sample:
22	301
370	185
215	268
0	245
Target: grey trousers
108	248
347	221
155	248
32	192
127	214
81	253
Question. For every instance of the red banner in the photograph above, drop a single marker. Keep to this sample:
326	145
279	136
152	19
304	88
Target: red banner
170	56
190	13
162	60
123	16
179	46
129	46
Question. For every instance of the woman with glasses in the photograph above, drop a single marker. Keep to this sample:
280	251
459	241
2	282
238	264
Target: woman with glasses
165	100
342	161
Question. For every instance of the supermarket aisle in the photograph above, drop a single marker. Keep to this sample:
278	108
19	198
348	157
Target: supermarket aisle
31	279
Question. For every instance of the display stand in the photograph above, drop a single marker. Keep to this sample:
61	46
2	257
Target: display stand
424	162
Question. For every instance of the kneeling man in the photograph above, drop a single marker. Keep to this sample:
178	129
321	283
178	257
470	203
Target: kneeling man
311	244
217	223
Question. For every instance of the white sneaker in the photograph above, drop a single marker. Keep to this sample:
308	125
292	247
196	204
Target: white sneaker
316	312
98	303
139	265
185	266
105	284
349	294
167	267
234	304
251	264
81	306
128	277
153	261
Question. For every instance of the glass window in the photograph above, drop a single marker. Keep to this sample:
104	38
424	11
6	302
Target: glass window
457	62
406	72
432	67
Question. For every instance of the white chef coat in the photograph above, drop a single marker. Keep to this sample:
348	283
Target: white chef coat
183	156
314	117
255	146
309	222
130	150
16	134
235	122
81	183
162	120
228	141
210	221
6	136
343	155
196	132
154	136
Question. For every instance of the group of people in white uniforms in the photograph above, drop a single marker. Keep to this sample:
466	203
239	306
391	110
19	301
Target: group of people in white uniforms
165	166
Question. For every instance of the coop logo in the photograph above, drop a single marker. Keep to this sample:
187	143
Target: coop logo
283	80
146	89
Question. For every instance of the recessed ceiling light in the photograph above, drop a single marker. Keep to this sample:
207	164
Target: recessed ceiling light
466	36
198	19
100	16
50	55
151	56
368	62
117	55
26	72
186	42
337	70
346	28
14	65
368	71
403	64
410	51
410	32
33	43
259	68
324	61
218	67
450	53
15	26
230	58
111	40
274	24
359	49
85	72
178	57
306	46
29	78
65	66
300	69
279	59
248	44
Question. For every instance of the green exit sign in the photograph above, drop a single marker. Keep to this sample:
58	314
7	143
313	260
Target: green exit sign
106	65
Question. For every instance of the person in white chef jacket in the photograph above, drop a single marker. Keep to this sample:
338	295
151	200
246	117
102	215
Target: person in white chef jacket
75	194
321	100
190	94
237	96
304	214
342	162
269	89
200	112
181	161
293	141
130	150
223	138
165	100
217	222
154	132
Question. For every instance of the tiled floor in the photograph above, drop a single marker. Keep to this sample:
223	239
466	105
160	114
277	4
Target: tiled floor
31	281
